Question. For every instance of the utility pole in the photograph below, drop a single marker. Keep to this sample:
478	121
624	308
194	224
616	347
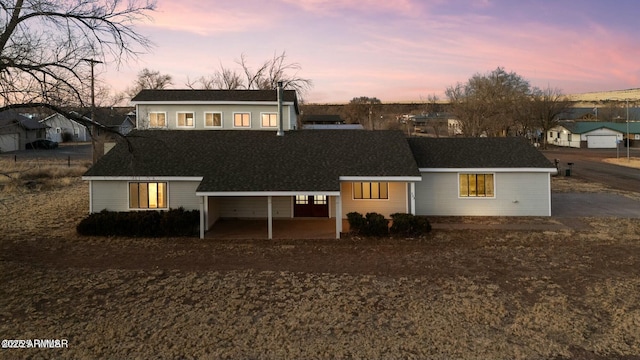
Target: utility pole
93	62
628	158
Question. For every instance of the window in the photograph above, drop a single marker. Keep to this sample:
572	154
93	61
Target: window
58	130
371	190
320	199
213	119
185	119
476	185
241	120
269	120
148	195
569	137
157	119
302	200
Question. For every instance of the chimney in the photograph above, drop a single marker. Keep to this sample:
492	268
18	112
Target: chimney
280	119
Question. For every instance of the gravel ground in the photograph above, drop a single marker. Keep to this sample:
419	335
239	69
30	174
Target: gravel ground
454	294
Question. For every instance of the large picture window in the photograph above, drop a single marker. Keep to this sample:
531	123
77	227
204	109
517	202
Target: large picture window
242	120
371	190
148	195
185	119
157	119
269	120
476	185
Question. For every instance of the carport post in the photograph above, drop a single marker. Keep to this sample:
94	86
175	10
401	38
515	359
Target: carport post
202	217
270	216
338	216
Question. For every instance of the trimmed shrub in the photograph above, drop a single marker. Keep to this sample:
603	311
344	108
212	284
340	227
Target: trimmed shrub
356	222
377	225
372	224
175	222
409	225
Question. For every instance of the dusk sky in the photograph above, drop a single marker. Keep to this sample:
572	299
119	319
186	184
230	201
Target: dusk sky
398	50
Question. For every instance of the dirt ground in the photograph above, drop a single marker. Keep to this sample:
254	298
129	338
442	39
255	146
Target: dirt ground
481	294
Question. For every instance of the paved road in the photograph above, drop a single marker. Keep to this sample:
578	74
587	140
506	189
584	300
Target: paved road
588	165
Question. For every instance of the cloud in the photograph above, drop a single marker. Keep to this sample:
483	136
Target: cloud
211	18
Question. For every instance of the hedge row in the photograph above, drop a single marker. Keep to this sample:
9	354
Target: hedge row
374	224
175	222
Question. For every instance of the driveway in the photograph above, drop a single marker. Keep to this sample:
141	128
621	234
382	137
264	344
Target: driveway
588	165
77	151
570	205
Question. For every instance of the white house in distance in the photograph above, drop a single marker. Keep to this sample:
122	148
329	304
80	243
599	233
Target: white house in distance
592	134
230	154
58	125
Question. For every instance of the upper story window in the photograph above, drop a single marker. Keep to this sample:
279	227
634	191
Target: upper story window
242	120
269	119
185	119
371	190
476	185
157	119
213	119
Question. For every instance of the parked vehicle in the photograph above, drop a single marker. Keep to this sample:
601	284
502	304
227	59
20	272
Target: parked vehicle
42	144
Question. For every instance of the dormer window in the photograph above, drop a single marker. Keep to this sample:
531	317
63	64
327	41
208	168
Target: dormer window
269	120
212	119
185	119
242	120
157	120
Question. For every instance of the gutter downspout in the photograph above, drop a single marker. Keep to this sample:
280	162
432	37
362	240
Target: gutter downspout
280	119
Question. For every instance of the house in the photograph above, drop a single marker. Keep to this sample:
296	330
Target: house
195	149
16	131
257	174
593	134
481	176
58	125
122	124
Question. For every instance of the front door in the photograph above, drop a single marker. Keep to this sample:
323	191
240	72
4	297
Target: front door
311	206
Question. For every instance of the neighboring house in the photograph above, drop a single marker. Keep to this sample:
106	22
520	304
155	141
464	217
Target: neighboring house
118	123
481	176
214	109
58	124
228	173
593	134
328	122
16	131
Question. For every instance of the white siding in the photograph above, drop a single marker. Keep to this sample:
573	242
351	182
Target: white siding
253	207
110	195
516	194
114	195
397	201
227	115
183	194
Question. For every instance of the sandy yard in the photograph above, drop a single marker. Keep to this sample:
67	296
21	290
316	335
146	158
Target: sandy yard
481	294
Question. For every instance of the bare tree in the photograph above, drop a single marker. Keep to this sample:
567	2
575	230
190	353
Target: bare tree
362	110
149	79
546	105
45	45
490	104
264	77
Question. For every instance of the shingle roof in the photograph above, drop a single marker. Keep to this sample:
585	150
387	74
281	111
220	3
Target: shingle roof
581	127
509	152
237	160
212	95
11	116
